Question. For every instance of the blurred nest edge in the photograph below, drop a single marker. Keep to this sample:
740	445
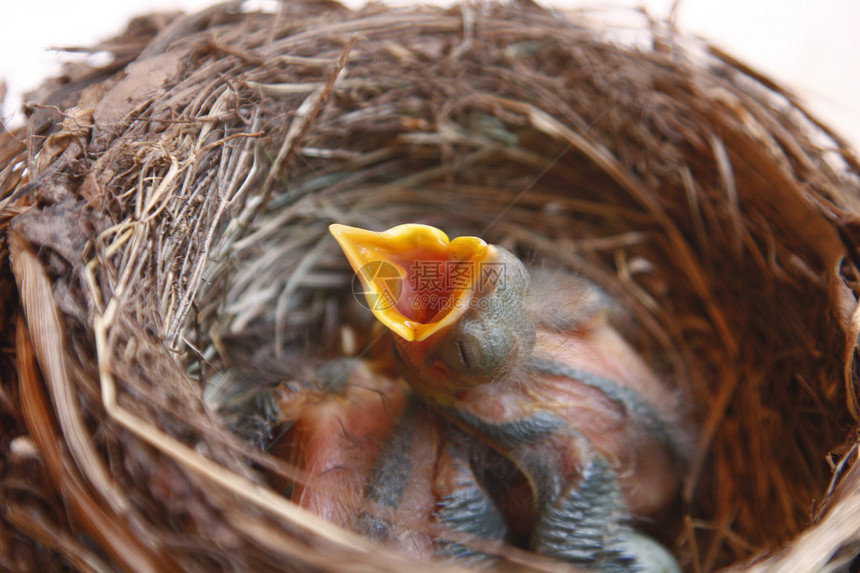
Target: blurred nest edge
163	218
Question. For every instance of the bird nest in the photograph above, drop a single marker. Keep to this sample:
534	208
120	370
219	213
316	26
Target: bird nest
163	222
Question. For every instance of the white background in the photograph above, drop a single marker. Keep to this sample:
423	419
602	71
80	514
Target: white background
813	47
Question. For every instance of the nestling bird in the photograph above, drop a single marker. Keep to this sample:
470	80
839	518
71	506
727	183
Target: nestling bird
366	454
532	369
379	462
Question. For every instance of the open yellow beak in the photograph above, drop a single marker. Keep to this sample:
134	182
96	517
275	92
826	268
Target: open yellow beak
415	280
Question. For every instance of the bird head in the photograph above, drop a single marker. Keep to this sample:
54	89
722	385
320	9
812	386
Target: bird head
455	306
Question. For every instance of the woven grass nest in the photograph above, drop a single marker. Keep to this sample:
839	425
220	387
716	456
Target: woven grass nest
163	220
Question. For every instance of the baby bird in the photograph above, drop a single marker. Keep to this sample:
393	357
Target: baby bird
531	368
379	462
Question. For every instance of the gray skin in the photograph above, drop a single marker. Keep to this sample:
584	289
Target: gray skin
495	333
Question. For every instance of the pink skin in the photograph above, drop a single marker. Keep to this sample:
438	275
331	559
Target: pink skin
412	522
335	439
648	475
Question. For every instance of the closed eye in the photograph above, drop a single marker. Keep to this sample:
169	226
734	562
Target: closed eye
464	357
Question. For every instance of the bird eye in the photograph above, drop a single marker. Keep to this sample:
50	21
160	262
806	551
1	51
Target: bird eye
464	355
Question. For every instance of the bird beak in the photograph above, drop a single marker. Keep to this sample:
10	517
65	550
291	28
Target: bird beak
415	280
